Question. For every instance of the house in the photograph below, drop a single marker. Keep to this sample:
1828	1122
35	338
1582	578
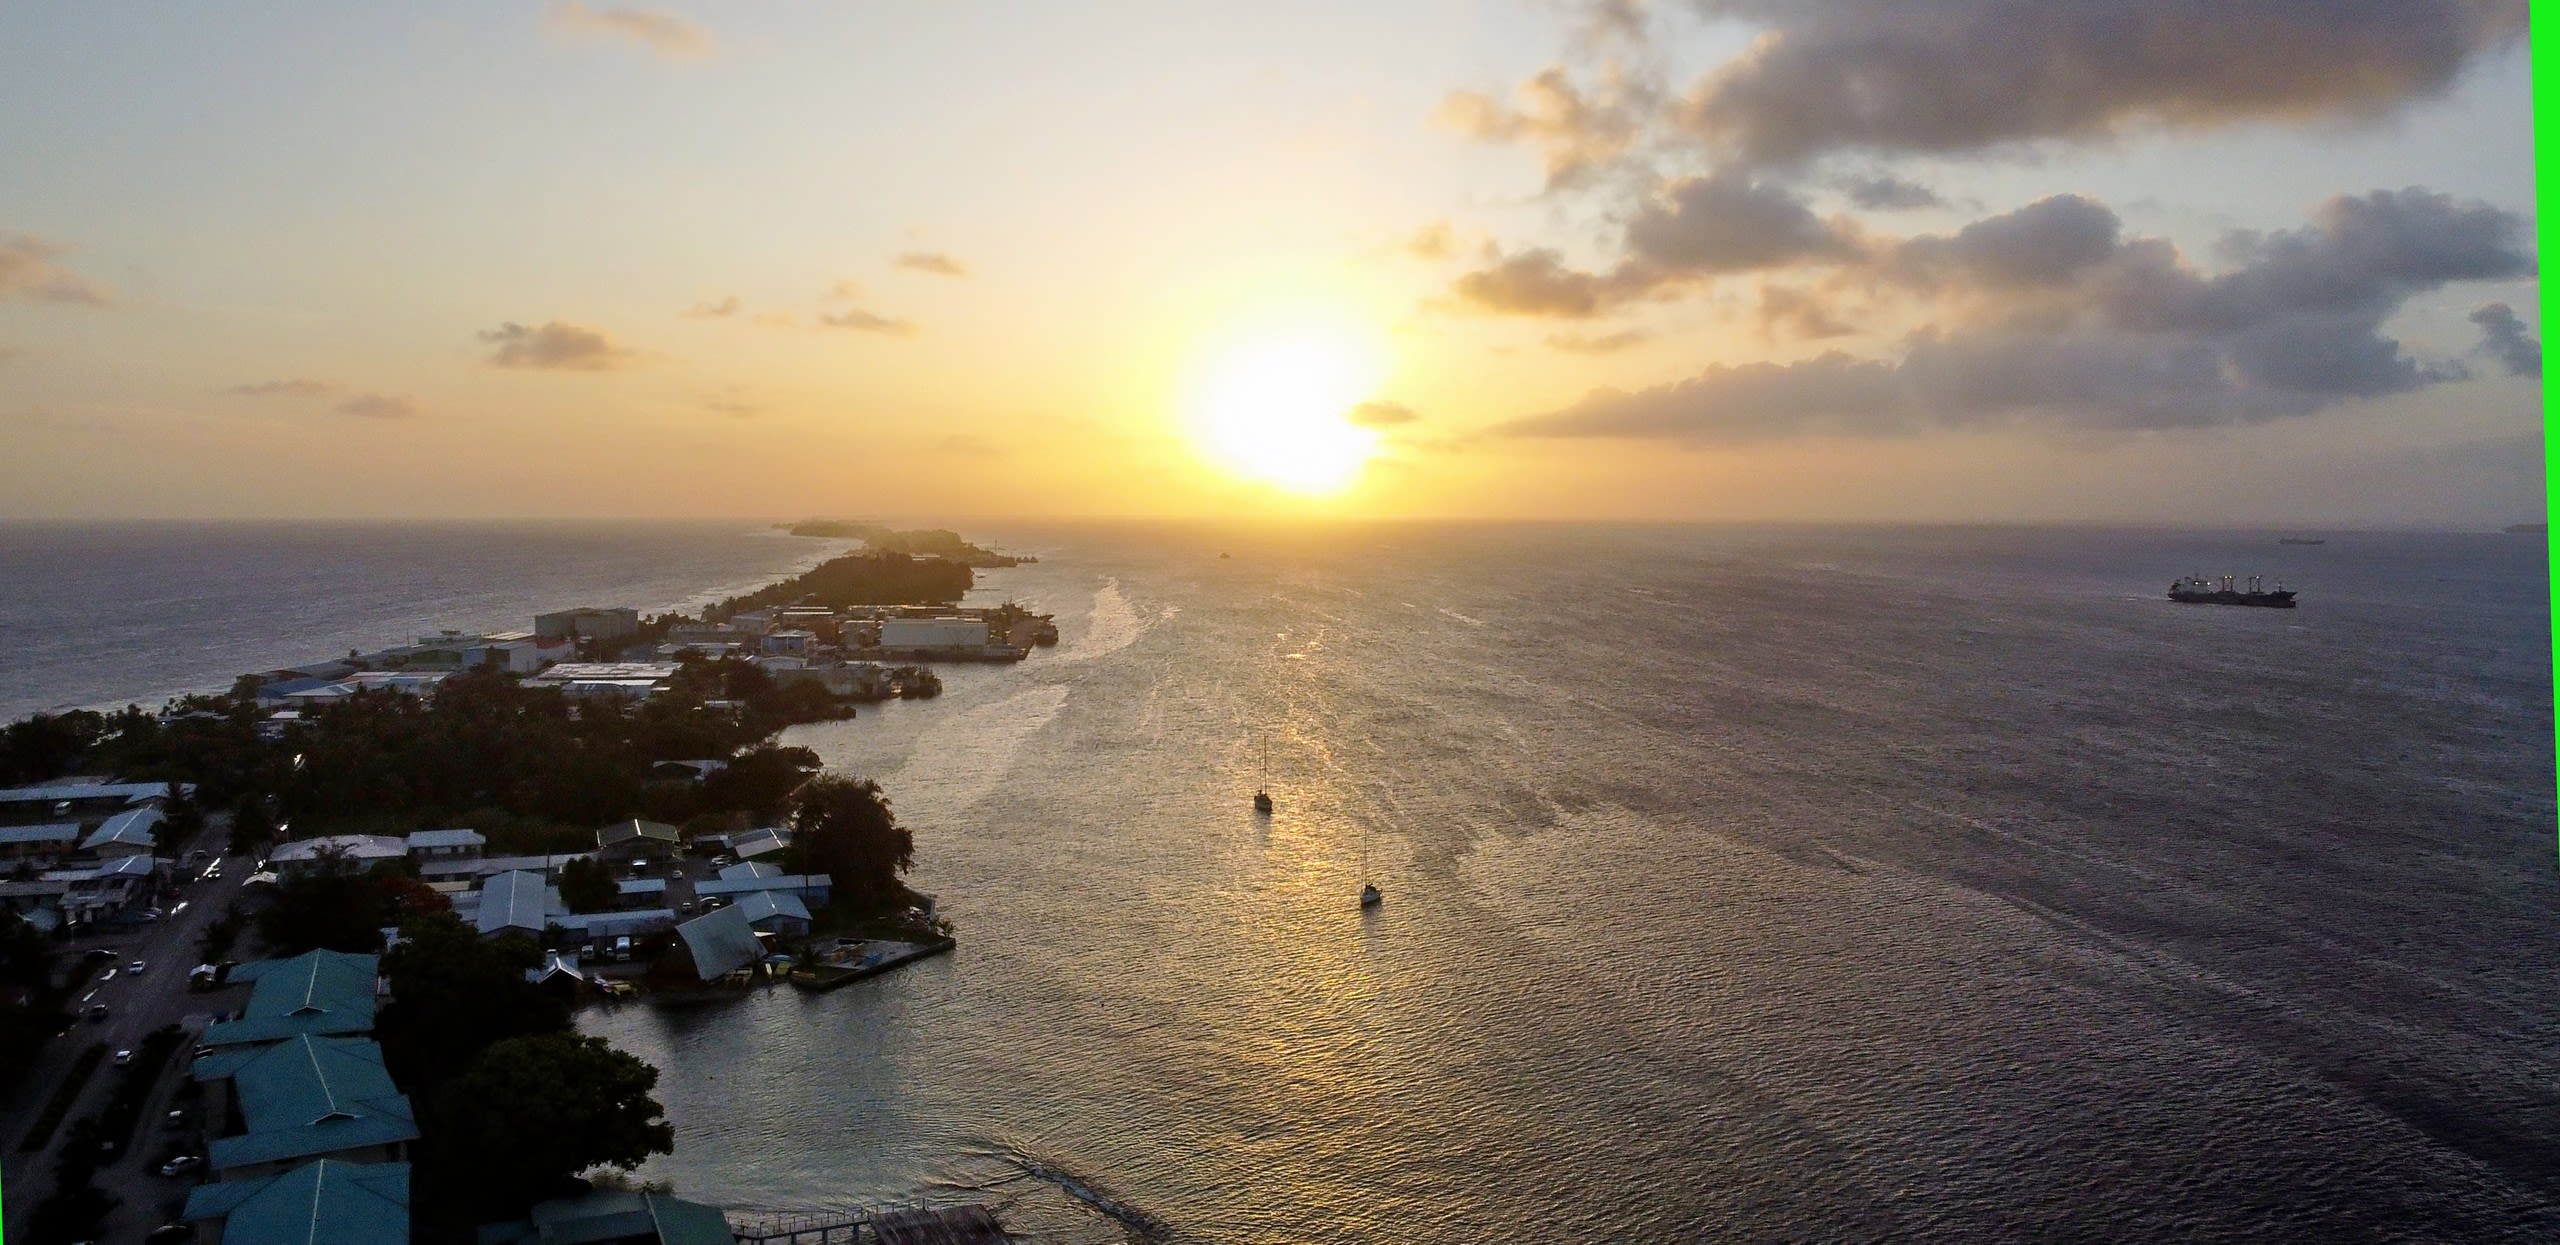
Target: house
774	912
517	902
718	943
792	643
811	888
603	926
687	771
632	680
320	993
331	1200
746	869
134	832
307	1098
560	973
627	841
355	852
466	869
641	893
614	1217
68	801
431	846
107	891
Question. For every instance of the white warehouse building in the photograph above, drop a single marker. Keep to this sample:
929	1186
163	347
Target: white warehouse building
933	633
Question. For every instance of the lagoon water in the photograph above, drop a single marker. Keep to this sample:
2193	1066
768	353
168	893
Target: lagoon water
1742	884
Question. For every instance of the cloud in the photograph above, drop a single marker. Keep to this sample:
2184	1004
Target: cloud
2504	337
1433	241
2081	327
1728	222
377	406
1792	312
1578	134
1604	343
1887	193
28	271
295	388
1968	75
1383	415
663	33
707	310
732	405
556	346
934	262
866	322
776	320
1537	283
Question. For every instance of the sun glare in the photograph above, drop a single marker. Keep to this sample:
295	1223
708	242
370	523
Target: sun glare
1276	405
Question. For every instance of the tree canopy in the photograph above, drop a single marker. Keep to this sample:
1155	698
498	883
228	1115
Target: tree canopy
587	886
455	994
843	827
530	1113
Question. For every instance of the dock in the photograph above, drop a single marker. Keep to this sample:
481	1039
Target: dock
869	959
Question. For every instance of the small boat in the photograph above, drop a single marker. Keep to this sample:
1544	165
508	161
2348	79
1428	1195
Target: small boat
1262	787
1262	802
1370	898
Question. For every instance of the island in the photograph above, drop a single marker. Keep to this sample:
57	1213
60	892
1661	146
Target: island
934	542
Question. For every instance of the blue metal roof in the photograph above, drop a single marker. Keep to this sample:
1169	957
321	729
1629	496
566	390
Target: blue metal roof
720	942
446	838
62	832
331	1201
317	992
766	905
311	1096
516	900
132	828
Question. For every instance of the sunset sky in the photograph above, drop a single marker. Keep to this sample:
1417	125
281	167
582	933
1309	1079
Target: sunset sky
2263	261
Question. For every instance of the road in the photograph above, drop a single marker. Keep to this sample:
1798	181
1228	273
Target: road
136	1005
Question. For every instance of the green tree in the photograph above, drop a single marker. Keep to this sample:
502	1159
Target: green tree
251	828
532	1112
843	827
453	995
586	885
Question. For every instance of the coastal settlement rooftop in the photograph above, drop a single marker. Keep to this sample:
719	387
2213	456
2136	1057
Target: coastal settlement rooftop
338	1202
317	992
309	1097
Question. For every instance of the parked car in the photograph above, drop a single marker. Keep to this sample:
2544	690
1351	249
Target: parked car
134	968
123	1057
177	1117
182	1163
96	1012
685	908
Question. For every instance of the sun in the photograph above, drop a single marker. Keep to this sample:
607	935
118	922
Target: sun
1274	404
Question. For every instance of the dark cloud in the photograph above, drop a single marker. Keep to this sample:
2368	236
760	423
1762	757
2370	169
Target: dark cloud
1965	75
29	270
707	310
294	388
2505	339
1887	193
555	346
1383	415
663	33
1433	241
1729	222
2045	242
1602	343
866	322
377	406
1579	133
2094	330
934	262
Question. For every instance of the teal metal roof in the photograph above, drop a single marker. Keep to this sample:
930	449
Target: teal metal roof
317	992
325	1202
311	1096
615	1216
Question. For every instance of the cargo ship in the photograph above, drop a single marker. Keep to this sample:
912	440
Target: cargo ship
2198	590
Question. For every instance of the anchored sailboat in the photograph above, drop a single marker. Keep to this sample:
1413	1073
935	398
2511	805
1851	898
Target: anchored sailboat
1262	787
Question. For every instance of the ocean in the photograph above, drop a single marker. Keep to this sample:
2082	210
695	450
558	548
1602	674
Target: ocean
1741	884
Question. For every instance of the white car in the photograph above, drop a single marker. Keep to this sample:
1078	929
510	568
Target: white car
123	1057
134	969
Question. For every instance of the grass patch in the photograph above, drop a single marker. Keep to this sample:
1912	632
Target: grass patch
81	1070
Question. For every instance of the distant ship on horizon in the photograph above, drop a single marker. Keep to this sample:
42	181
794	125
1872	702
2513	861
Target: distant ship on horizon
2302	540
2198	590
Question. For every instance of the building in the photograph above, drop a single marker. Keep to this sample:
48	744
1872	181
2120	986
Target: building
588	623
82	801
792	643
687	771
810	888
631	680
316	993
718	943
330	1200
641	893
517	903
774	912
356	852
39	844
627	841
306	1098
111	890
925	633
606	926
613	1217
466	869
764	842
444	846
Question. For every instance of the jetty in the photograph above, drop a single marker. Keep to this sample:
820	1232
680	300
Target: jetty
957	1225
851	961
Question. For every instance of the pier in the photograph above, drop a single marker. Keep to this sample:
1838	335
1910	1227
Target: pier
958	1225
862	960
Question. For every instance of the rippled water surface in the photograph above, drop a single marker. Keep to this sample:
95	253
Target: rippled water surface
1741	884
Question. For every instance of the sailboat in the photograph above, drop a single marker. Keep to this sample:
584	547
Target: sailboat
1262	789
1369	894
